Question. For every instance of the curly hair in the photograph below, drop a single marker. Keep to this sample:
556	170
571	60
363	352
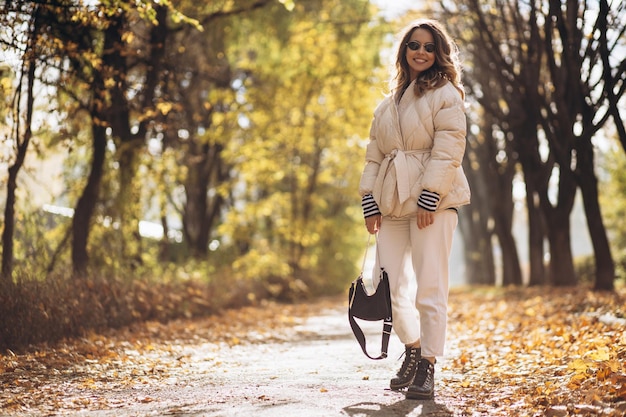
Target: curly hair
447	66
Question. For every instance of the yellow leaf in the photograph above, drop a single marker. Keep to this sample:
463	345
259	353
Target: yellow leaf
577	378
128	37
614	365
600	354
579	366
164	108
109	82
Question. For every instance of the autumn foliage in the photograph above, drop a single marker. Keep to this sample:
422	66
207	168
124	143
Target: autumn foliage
539	351
511	352
48	311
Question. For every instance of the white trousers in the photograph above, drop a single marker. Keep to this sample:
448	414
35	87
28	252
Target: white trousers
416	262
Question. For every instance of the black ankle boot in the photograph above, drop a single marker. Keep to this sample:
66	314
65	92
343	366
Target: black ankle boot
423	386
407	371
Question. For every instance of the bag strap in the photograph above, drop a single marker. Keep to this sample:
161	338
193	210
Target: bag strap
369	237
387	324
360	337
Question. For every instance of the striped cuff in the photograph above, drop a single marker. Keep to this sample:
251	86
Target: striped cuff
428	200
370	208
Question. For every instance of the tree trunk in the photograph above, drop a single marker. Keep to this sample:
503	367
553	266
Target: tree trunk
118	115
478	253
206	169
127	201
202	208
85	207
536	237
536	178
9	227
473	224
164	243
511	271
561	259
562	272
194	215
588	183
81	223
6	271
502	212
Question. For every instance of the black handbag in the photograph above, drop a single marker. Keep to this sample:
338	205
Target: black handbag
370	307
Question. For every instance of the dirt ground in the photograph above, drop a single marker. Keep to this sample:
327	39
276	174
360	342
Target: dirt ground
300	361
317	370
313	367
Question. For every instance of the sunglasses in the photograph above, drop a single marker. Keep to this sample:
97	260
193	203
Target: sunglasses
415	46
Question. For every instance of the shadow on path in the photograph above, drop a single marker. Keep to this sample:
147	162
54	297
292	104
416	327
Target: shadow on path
415	408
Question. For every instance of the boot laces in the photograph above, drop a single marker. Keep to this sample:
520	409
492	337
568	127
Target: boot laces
424	369
409	360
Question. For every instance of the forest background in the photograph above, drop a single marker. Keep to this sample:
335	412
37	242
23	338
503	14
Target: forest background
167	159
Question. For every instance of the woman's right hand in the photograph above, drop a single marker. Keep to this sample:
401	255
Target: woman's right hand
373	223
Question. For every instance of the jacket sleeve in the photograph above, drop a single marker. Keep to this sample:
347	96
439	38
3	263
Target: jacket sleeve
448	141
373	159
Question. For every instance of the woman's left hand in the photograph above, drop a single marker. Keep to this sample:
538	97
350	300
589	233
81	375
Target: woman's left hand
424	218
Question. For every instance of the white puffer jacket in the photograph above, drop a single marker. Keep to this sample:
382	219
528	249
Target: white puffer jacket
427	157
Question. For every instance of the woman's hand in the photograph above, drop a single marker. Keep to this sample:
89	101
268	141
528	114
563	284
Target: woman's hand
373	223
424	218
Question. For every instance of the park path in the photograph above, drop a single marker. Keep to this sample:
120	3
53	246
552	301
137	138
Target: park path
303	366
317	369
523	353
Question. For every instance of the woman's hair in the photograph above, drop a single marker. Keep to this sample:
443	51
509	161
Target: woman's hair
446	67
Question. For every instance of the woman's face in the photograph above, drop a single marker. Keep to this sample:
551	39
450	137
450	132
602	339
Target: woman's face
420	59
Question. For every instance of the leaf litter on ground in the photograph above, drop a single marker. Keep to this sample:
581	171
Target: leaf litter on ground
512	352
539	351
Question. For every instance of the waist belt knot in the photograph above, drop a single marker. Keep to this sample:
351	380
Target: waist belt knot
398	157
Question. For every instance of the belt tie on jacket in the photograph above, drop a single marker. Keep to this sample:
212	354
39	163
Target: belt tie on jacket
398	157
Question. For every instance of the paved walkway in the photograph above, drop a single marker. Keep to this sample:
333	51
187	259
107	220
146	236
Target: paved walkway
319	371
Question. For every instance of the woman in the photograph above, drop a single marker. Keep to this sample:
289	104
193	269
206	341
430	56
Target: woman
411	188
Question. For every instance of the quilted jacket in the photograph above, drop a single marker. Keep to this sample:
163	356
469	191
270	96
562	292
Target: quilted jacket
417	144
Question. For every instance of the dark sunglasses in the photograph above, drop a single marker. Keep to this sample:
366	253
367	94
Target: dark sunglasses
415	46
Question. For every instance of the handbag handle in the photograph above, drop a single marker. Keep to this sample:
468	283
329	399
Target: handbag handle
367	246
369	237
387	323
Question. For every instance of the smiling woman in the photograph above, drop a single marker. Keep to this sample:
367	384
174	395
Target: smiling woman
411	187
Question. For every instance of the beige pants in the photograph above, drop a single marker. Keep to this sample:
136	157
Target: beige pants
417	264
